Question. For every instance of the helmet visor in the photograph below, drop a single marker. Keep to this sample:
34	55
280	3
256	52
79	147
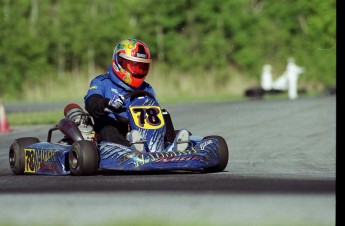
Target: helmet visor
137	69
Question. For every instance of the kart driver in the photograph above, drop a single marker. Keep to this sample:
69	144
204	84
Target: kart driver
130	65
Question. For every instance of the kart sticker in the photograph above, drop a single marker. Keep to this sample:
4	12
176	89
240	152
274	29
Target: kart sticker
173	156
37	159
147	117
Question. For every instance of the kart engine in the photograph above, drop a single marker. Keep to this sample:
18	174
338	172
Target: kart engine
82	119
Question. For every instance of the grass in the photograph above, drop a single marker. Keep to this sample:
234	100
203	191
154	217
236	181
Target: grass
35	118
171	87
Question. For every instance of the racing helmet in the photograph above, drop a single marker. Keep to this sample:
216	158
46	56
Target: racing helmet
131	61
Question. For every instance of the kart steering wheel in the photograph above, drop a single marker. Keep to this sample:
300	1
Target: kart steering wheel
132	95
138	93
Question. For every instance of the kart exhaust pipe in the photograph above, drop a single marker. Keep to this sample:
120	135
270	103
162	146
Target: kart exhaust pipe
70	129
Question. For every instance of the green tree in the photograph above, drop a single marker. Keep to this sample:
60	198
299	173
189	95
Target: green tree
42	39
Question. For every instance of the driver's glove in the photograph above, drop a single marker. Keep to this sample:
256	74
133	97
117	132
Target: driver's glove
117	101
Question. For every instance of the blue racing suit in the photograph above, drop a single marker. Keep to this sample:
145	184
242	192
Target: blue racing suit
102	89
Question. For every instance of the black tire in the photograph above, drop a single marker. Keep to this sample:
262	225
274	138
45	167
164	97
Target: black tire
83	158
223	153
16	156
256	92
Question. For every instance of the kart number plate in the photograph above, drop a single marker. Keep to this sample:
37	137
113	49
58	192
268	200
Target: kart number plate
147	117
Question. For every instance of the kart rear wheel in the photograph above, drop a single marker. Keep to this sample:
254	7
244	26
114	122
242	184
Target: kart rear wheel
223	153
16	153
83	158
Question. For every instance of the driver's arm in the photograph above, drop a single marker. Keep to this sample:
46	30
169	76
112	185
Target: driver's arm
95	105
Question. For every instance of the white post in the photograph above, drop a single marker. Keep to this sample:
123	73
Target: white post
266	77
293	71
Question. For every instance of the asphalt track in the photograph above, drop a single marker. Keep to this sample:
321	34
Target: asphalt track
282	168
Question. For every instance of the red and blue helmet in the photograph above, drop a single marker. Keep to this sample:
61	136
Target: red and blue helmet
131	61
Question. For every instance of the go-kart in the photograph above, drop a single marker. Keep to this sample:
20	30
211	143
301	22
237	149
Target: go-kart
80	152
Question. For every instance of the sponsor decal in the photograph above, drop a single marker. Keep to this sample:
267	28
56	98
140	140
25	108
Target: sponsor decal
142	55
114	90
173	156
49	166
93	87
35	159
182	158
203	145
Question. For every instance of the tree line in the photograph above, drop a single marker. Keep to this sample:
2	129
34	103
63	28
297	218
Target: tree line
42	39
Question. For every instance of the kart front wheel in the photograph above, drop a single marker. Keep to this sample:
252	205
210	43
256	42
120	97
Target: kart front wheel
16	153
83	158
223	153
